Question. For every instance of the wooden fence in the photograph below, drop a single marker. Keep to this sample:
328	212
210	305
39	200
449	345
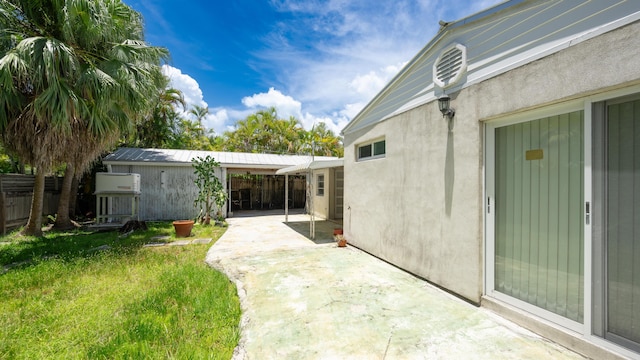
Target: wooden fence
16	192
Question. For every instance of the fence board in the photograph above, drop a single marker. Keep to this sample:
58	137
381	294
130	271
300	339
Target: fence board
16	191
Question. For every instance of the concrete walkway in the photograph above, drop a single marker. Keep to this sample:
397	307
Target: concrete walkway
301	300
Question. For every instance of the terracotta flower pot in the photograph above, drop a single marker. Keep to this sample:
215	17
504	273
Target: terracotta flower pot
342	242
337	231
183	227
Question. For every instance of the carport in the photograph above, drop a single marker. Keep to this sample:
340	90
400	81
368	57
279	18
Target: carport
167	181
324	183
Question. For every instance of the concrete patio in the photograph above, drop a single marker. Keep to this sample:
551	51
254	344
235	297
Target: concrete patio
303	300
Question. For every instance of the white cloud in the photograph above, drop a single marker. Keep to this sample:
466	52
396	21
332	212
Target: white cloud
185	83
330	58
370	84
351	49
216	120
286	105
351	110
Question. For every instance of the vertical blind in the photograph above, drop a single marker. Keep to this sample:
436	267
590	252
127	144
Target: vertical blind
623	220
539	199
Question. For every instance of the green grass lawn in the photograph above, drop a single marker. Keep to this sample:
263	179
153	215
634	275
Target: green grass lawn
67	302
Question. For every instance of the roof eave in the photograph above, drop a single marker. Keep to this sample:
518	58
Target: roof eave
441	32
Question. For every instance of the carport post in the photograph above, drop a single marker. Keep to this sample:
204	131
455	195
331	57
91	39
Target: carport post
312	223
286	198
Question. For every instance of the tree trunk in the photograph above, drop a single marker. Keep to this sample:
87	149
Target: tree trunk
73	197
34	225
63	221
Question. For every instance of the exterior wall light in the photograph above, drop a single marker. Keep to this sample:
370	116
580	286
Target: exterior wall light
444	104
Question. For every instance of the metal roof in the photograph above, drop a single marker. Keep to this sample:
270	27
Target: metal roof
134	156
312	165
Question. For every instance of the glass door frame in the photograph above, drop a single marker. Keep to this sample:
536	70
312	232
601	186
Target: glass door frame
592	327
489	211
600	244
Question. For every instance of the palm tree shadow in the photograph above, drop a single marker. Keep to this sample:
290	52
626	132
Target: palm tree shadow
68	246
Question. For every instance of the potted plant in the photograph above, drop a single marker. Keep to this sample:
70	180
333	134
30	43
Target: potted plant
340	239
211	193
183	227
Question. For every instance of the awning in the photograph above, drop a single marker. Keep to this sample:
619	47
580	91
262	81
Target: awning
312	165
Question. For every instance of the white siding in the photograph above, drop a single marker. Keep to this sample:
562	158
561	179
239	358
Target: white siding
174	201
496	44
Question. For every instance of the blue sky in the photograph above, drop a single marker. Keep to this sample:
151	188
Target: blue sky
317	60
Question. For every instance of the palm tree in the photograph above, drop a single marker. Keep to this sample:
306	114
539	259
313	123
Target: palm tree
325	142
158	127
72	74
200	112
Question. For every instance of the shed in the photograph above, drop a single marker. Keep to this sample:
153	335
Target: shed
167	180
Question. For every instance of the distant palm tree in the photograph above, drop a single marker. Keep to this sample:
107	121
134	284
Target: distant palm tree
263	131
157	128
325	142
73	73
200	112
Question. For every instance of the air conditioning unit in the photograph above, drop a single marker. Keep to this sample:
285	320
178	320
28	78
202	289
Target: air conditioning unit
117	183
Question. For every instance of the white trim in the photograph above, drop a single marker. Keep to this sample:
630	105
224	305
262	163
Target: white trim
489	217
539	312
372	144
538	113
587	241
611	346
189	164
318	187
613	94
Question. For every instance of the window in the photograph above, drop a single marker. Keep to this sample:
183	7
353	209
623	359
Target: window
372	150
320	185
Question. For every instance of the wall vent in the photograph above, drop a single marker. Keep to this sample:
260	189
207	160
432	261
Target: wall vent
450	66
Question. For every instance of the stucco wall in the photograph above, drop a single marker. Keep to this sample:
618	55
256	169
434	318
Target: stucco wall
421	206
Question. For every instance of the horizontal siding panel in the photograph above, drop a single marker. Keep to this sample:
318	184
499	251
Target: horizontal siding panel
495	44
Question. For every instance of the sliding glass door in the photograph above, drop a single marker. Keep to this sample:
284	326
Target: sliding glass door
621	235
538	213
539	209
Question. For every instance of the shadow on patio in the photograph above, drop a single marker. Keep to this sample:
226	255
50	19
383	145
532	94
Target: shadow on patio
324	229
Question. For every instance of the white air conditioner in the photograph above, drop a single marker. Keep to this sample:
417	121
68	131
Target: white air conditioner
117	183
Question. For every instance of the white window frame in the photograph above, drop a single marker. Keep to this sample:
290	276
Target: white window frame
320	185
372	144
